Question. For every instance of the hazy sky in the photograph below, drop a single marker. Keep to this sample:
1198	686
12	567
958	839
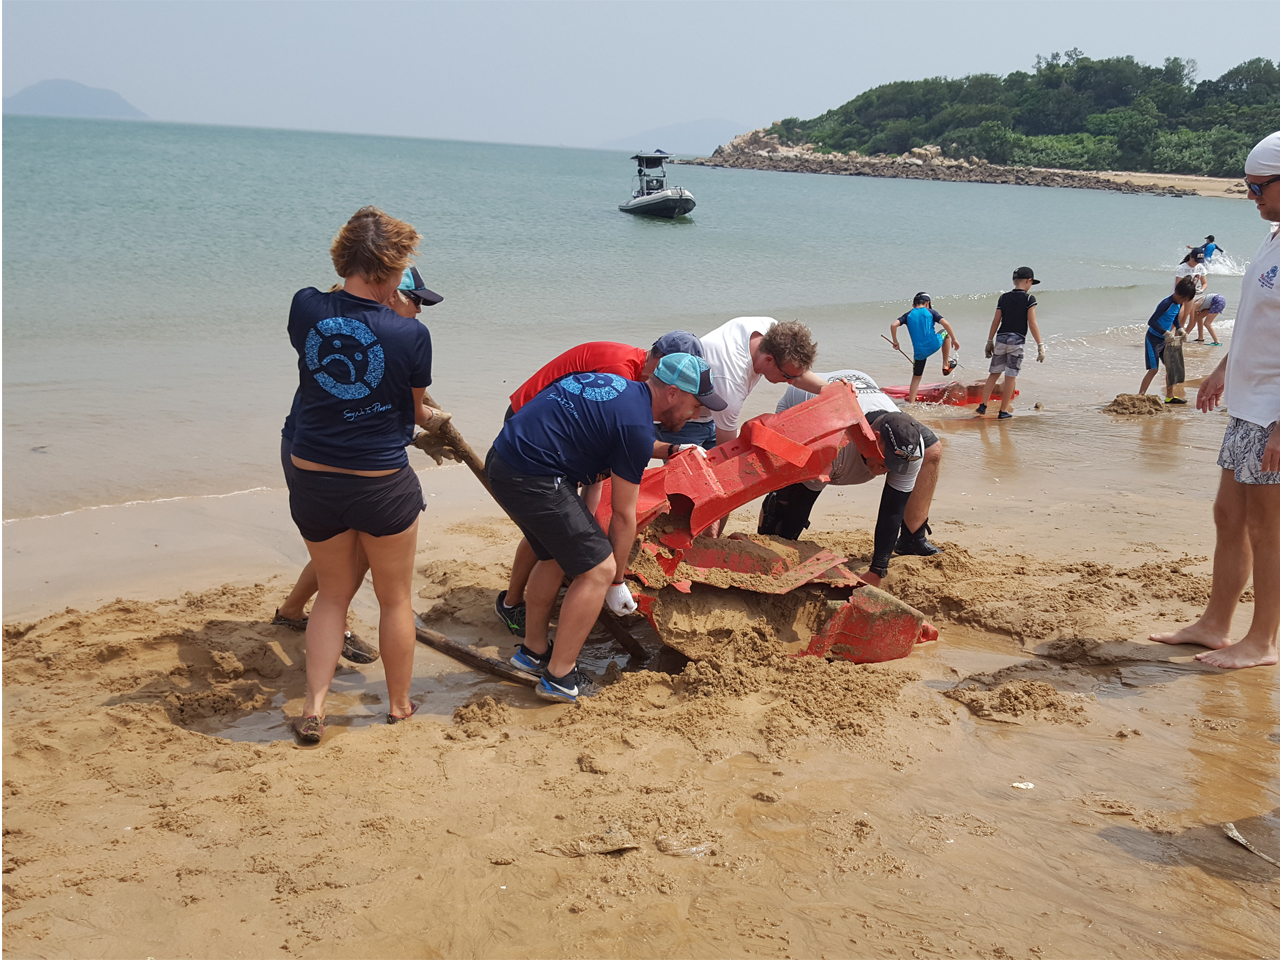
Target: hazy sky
572	73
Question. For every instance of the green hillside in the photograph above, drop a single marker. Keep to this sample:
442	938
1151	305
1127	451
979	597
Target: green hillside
1072	112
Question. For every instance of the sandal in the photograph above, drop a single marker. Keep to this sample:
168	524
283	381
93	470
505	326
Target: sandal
279	621
308	729
946	371
392	718
356	650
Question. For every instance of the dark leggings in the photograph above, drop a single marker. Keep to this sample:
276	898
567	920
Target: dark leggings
786	514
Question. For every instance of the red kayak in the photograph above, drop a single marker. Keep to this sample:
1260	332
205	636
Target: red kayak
953	394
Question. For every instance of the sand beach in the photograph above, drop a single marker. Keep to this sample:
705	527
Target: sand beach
1040	782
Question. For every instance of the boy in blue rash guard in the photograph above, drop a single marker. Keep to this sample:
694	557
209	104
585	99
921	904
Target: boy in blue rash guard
922	323
1167	316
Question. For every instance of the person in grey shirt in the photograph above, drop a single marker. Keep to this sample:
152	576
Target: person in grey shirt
913	455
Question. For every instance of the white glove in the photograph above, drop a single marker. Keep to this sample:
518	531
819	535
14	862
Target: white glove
1041	350
619	600
697	448
991	349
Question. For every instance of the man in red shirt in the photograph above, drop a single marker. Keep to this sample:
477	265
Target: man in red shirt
623	360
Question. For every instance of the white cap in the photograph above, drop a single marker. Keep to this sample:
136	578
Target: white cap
1264	159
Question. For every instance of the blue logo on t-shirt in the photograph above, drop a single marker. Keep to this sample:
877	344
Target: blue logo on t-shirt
594	386
343	357
1268	279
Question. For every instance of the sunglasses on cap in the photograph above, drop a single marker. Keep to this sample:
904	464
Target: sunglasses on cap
1257	188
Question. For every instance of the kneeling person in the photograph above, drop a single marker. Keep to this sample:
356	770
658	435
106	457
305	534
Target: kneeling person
913	456
582	428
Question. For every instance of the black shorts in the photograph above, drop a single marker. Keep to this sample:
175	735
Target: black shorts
551	515
326	504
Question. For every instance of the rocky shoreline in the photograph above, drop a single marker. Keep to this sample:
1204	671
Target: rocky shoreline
759	150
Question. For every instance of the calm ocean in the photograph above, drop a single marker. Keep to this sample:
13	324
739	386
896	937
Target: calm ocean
148	271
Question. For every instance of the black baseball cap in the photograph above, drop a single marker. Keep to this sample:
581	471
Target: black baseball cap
412	283
1209	238
1197	253
677	341
921	297
1025	273
902	439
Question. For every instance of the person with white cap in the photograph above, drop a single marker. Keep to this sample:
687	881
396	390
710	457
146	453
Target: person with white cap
1246	511
582	428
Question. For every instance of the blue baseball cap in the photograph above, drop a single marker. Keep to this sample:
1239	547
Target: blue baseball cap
677	341
692	375
412	283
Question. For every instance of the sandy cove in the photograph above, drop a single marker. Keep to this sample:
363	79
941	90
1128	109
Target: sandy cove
750	804
760	150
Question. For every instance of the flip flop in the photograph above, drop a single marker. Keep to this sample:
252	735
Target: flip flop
279	621
392	718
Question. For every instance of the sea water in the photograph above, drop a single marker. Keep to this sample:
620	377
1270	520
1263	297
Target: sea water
148	270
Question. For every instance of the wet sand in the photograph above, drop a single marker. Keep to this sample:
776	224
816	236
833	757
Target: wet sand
748	804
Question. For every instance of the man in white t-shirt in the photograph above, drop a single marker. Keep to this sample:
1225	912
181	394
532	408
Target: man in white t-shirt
741	353
1247	509
913	454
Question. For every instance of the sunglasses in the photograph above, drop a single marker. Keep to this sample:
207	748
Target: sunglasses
412	298
785	375
1257	188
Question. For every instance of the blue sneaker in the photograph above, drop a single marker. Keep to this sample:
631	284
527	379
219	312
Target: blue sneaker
567	689
530	662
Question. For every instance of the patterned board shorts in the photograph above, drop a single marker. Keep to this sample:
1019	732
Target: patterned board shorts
1242	452
1008	356
1211	303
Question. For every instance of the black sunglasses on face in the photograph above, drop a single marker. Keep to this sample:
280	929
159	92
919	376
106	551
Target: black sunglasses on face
412	298
1257	188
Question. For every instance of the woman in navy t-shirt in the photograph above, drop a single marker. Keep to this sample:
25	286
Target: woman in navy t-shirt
362	371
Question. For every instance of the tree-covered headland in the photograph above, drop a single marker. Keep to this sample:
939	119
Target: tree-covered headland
1072	112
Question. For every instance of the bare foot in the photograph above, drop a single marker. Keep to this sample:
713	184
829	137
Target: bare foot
1196	633
869	578
1243	653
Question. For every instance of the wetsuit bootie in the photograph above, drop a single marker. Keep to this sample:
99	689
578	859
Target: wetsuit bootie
916	544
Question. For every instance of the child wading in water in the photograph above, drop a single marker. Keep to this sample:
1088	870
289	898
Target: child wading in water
1167	316
1015	315
922	323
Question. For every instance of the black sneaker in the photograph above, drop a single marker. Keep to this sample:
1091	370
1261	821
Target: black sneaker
982	409
530	662
511	617
1005	415
916	544
570	688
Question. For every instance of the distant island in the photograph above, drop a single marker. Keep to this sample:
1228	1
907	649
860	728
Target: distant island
1072	113
66	98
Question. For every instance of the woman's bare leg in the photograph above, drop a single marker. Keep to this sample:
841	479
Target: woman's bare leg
337	570
391	560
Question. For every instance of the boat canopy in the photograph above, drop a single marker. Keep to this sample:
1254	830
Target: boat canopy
651	161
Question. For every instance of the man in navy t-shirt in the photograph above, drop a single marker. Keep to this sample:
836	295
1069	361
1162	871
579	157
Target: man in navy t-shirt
583	428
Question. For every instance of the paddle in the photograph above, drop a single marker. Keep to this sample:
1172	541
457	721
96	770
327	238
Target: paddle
896	347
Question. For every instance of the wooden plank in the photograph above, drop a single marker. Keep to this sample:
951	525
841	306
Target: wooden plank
472	657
